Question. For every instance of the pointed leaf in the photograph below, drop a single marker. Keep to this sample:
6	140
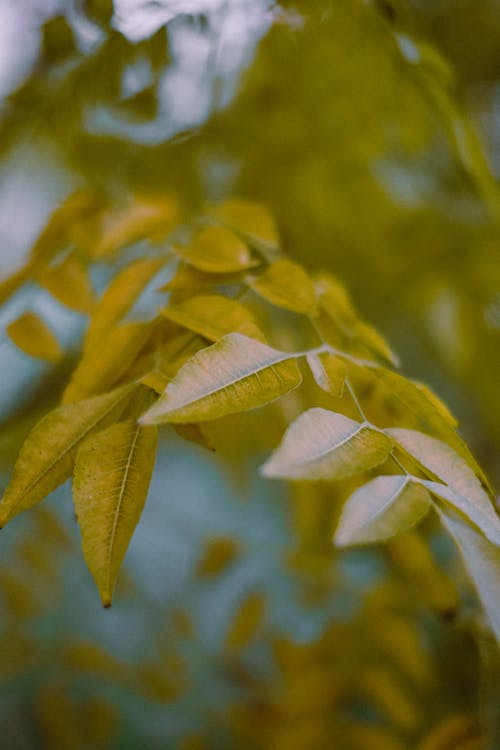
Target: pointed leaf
216	250
213	316
486	521
48	453
380	509
101	368
482	561
321	444
119	297
250	219
69	283
442	461
113	470
329	372
235	374
286	285
33	336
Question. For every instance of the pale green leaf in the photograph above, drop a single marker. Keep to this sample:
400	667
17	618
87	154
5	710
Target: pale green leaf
482	561
119	297
321	444
445	464
213	316
481	516
380	509
112	473
48	453
216	250
286	285
329	372
235	374
31	334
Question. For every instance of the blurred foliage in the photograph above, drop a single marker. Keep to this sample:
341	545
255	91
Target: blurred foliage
364	128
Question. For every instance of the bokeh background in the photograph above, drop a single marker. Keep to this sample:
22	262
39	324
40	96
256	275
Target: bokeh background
371	130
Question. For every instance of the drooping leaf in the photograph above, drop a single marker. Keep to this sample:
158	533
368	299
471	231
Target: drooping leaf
250	219
216	250
329	372
213	316
321	444
286	285
47	456
482	561
445	464
119	297
235	374
31	334
69	283
112	473
380	509
433	420
102	367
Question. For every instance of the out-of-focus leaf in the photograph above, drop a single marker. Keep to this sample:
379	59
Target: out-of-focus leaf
113	469
213	316
47	456
119	297
482	561
216	250
380	509
31	334
217	555
287	285
250	219
233	375
101	367
321	444
143	217
69	283
391	696
246	622
442	461
329	372
456	732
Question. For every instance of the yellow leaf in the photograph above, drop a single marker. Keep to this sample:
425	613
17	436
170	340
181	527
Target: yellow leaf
235	374
329	372
217	555
287	285
251	219
321	444
391	696
142	217
101	367
455	732
119	297
69	283
216	250
112	473
34	337
246	622
48	453
213	316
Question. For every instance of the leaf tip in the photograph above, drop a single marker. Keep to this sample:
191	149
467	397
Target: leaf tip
106	600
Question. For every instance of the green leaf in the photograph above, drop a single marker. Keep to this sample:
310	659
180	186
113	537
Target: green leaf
119	297
48	453
380	509
32	335
482	561
112	473
445	464
286	285
321	444
251	220
213	316
235	374
216	250
329	372
69	282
